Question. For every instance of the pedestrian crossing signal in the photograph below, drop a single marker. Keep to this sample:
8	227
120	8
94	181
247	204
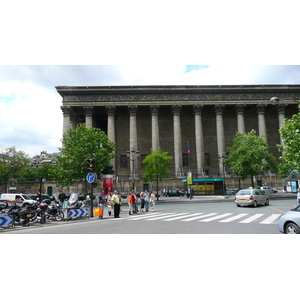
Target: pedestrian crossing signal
91	163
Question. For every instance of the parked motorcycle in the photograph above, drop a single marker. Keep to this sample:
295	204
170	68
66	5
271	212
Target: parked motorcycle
21	215
75	202
53	209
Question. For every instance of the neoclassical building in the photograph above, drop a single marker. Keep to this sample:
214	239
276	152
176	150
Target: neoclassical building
172	117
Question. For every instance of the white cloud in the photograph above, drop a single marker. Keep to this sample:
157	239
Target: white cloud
31	120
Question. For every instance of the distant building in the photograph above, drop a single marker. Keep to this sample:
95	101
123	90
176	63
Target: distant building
44	157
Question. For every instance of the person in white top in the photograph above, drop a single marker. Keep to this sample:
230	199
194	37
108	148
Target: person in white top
152	200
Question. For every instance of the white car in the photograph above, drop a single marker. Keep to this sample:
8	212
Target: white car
251	197
268	190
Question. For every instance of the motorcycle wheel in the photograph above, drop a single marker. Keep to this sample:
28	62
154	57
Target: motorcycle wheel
59	216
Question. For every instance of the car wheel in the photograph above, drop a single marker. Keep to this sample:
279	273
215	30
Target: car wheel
267	202
238	205
292	228
255	203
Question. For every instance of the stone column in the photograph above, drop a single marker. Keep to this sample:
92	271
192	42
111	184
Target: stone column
111	128
281	116
220	134
199	138
88	116
133	134
154	124
262	130
66	118
240	117
177	140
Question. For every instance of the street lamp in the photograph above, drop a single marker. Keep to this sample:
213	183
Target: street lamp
133	155
221	160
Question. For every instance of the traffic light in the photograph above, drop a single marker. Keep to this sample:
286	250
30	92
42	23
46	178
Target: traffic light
91	164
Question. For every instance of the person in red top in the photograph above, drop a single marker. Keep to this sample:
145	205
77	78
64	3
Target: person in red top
134	202
129	199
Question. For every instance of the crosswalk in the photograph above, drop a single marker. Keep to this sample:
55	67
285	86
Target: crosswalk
243	218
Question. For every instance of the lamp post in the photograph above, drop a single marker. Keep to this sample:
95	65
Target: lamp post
133	155
221	160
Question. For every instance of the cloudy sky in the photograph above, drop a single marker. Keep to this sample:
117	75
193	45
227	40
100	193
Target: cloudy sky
126	43
31	118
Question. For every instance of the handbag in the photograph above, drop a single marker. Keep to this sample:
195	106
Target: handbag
98	212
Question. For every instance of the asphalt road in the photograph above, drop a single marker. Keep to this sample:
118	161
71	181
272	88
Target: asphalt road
178	216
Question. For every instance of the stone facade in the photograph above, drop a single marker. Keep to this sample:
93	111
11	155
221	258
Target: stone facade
207	117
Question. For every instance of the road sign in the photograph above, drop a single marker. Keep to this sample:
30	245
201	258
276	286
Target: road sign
7	220
91	177
83	212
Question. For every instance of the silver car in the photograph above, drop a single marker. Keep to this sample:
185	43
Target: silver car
268	190
290	221
251	197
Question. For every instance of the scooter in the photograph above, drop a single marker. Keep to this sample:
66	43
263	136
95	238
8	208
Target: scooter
74	202
53	210
21	215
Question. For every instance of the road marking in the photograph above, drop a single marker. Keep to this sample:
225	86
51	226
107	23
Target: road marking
216	217
199	217
252	218
144	216
181	217
162	217
270	219
234	218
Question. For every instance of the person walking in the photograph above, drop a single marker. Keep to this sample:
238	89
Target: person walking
116	202
134	202
129	199
110	204
101	203
298	196
152	200
146	197
142	197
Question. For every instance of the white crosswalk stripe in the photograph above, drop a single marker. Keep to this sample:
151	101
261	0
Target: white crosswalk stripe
233	218
270	219
252	218
206	217
216	217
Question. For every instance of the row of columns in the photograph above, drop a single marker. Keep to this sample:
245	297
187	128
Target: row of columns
154	109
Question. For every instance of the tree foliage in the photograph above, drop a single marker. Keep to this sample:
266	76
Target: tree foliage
290	160
156	164
13	163
79	145
249	155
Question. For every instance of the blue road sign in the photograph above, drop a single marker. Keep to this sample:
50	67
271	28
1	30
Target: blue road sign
91	177
7	220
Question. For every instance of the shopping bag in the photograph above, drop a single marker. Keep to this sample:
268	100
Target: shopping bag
98	212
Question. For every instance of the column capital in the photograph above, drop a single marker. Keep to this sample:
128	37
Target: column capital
132	110
88	110
154	109
240	108
66	110
261	108
198	109
281	108
219	109
111	109
176	109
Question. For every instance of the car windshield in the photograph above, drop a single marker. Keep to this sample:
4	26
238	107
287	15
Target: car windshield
26	197
244	192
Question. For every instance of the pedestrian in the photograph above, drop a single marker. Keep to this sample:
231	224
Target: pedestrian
101	203
142	197
152	200
298	196
146	197
88	199
116	202
134	202
129	199
62	196
120	199
110	204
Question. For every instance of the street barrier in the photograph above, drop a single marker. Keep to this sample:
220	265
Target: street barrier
75	213
7	220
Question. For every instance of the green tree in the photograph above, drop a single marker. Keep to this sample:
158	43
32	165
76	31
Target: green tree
290	159
79	145
156	163
13	163
249	155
